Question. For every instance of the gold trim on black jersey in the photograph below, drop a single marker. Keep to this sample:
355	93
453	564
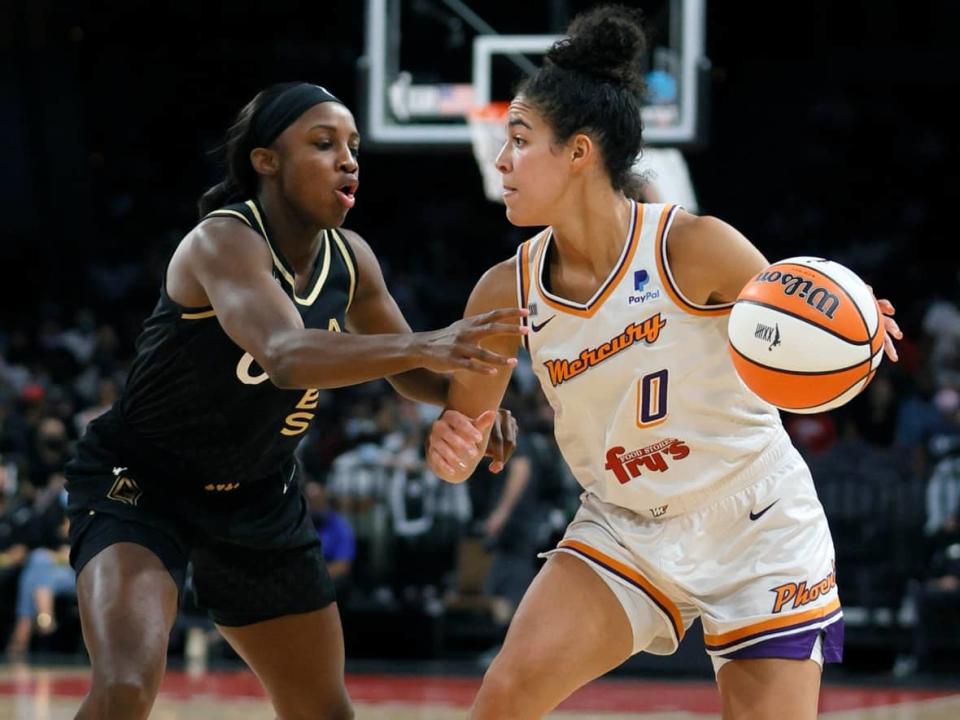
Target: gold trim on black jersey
224	212
321	279
198	315
348	261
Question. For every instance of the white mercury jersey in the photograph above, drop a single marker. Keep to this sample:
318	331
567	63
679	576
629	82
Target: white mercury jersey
649	411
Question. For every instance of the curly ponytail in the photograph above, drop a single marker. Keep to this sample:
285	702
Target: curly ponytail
591	81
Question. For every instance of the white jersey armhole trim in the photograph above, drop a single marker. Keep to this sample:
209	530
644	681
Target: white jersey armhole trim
669	272
521	300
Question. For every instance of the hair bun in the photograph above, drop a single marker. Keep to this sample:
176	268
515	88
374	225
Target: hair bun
606	42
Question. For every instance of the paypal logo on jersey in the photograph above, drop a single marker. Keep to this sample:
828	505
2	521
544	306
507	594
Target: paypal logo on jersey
640	280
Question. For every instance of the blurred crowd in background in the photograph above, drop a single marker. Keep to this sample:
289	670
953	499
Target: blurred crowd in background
819	141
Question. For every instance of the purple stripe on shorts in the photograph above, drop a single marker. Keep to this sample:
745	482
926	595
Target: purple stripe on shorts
798	646
755	636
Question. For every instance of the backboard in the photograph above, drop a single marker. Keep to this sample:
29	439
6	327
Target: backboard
427	62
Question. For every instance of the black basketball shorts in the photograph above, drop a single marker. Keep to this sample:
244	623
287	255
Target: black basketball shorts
255	553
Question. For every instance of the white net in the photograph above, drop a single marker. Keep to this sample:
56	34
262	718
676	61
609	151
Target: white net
487	134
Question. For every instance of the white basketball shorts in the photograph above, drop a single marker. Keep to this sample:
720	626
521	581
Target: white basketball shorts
757	567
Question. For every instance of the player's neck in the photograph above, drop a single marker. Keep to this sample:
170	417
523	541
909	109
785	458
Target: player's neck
299	241
592	232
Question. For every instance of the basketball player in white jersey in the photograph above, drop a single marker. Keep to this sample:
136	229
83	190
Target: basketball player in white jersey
695	503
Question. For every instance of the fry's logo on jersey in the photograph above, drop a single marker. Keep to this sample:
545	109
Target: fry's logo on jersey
800	594
627	466
647	331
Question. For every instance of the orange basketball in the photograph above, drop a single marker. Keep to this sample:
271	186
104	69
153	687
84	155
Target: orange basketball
806	335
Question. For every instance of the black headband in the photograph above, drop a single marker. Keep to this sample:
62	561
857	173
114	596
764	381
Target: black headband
281	112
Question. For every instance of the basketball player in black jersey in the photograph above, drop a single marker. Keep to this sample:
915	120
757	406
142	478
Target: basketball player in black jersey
195	460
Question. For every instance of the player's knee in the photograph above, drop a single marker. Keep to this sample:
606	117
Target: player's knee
500	692
325	710
125	696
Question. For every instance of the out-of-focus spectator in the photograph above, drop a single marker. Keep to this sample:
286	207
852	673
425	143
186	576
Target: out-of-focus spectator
917	420
872	416
812	434
47	512
49	450
943	502
106	394
937	604
47	573
14	513
928	421
81	338
945	434
15	516
512	532
936	597
14	432
335	533
941	324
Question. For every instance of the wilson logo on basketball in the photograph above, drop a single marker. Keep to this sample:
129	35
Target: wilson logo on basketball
647	331
830	339
817	297
627	466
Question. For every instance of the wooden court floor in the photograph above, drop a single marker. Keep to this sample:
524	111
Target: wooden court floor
49	693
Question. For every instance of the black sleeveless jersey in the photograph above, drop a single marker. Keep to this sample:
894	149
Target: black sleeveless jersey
197	398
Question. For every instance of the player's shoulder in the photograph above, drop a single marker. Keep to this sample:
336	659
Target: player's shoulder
355	241
709	259
361	254
220	237
698	228
351	236
700	238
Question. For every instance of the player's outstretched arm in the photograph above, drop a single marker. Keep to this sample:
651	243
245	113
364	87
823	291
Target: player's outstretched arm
456	438
230	266
374	311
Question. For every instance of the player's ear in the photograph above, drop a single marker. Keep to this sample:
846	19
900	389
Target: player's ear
265	161
581	151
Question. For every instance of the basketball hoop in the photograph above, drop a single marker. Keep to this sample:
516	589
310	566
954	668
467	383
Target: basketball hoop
487	135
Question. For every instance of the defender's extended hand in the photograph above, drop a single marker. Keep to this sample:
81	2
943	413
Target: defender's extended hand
457	347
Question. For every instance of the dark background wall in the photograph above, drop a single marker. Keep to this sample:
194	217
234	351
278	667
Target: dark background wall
828	134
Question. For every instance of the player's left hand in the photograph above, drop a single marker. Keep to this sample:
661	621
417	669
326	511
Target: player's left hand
893	330
503	440
454	442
